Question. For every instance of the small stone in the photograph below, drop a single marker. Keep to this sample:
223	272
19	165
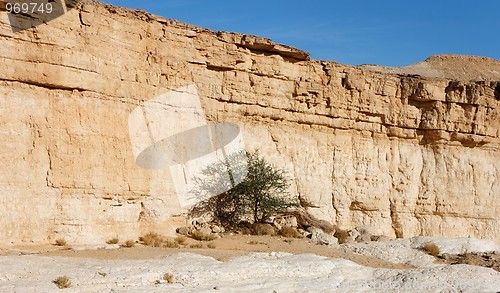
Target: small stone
216	229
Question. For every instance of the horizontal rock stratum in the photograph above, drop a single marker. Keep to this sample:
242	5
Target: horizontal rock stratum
408	151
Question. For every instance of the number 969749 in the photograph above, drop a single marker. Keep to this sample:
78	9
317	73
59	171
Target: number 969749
29	8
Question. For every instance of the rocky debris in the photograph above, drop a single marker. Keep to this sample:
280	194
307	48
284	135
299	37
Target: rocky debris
202	227
360	234
305	220
320	237
281	222
381	238
201	221
488	260
304	233
457	245
410	251
364	238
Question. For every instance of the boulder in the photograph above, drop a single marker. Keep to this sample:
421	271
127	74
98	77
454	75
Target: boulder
365	237
205	231
183	230
320	237
217	229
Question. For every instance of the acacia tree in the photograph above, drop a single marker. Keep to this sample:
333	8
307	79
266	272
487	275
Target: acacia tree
261	194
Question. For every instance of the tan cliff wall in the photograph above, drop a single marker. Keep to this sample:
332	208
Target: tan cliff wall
407	155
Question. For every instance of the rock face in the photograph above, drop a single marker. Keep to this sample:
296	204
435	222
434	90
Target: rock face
404	154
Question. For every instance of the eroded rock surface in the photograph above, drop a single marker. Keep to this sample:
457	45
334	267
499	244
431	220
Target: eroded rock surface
405	154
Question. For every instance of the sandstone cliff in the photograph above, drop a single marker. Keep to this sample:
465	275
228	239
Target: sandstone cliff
404	153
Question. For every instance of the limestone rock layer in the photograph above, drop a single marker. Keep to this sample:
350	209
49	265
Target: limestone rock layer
407	151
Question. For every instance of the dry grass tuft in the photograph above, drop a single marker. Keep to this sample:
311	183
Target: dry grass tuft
197	245
245	231
181	240
197	235
62	282
152	239
129	243
341	235
61	242
431	248
168	277
290	232
170	244
113	241
264	229
253	242
211	245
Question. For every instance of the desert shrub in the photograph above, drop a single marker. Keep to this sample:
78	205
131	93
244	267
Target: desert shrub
129	243
62	282
168	277
264	229
211	245
61	242
170	244
113	241
246	231
181	240
197	245
262	193
341	235
431	249
152	239
290	232
197	235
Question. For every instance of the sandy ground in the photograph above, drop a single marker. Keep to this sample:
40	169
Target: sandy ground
238	263
225	248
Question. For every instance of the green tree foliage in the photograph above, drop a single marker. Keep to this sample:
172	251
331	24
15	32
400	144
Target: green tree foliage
261	194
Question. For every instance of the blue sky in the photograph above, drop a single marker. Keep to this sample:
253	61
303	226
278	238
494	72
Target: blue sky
393	33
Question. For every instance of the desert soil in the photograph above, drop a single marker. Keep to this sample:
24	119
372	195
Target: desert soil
225	248
231	246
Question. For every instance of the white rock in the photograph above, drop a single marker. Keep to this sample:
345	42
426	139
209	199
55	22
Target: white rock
320	237
458	245
260	272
